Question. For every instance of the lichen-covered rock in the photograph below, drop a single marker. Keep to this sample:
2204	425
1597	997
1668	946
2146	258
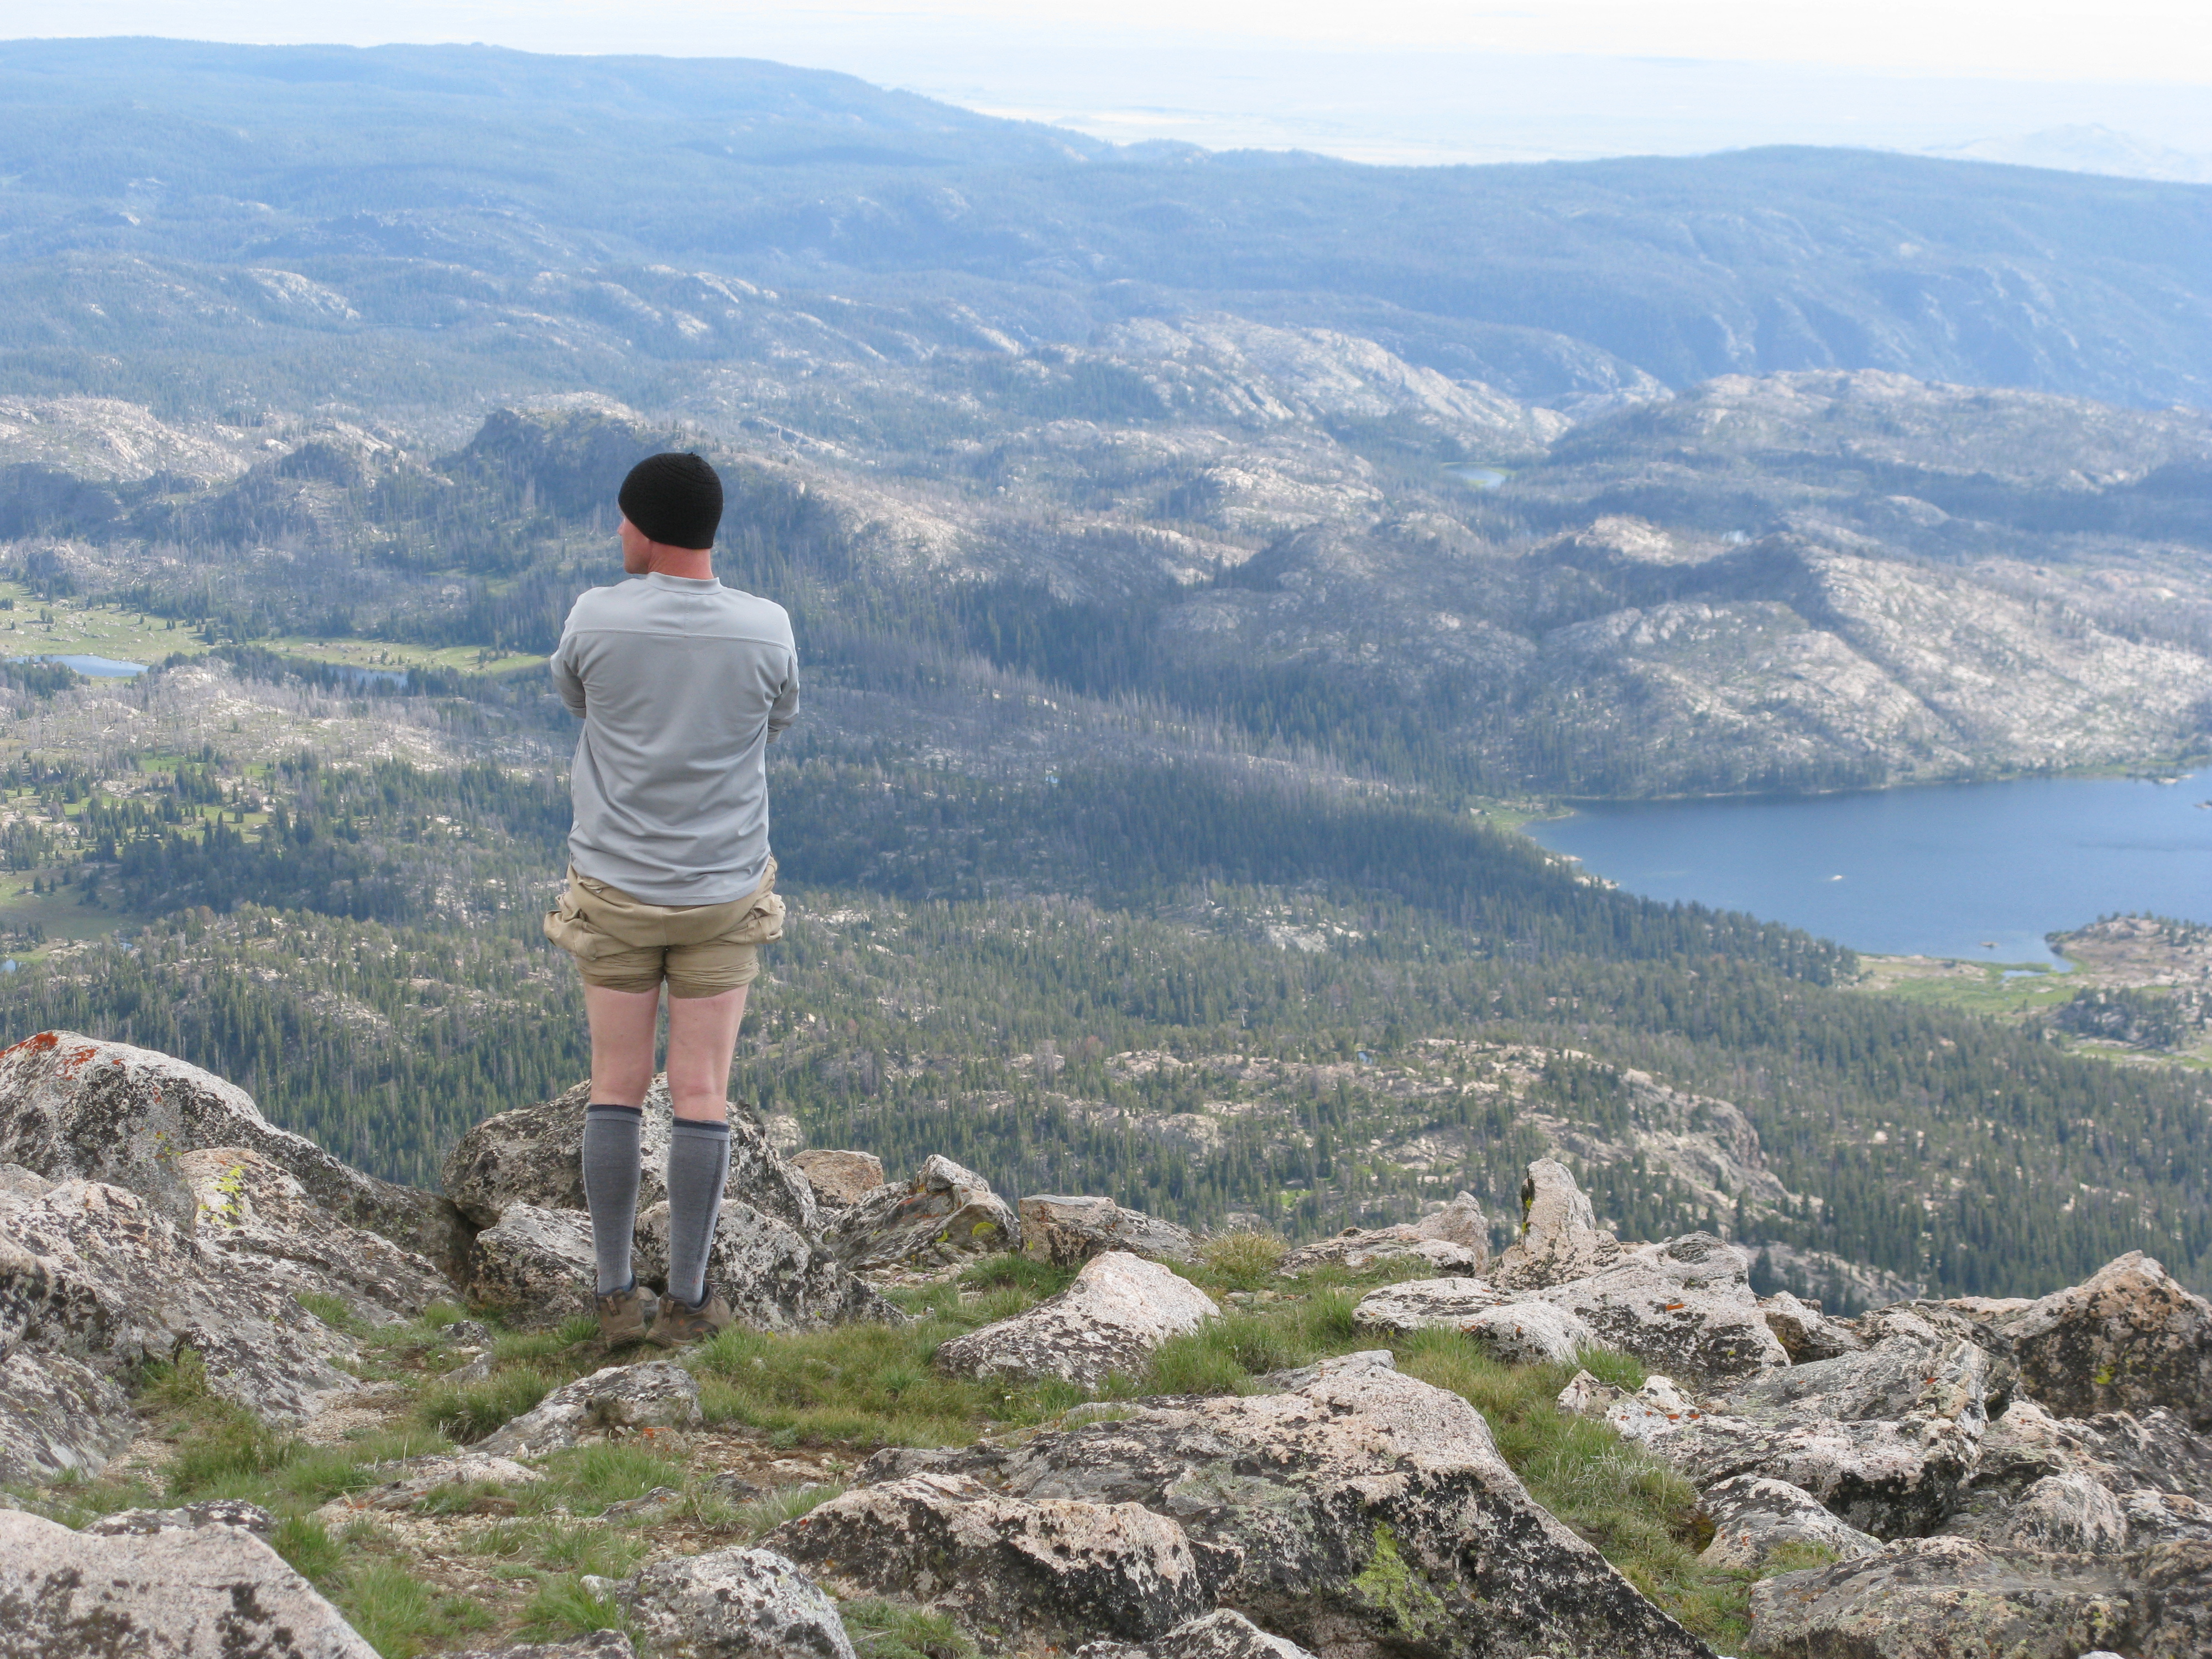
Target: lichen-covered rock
1560	1238
534	1155
599	1644
1684	1307
75	1108
772	1276
250	1207
2128	1339
1754	1517
944	1216
57	1415
1362	1511
1944	1598
839	1178
1894	1477
1068	1231
2177	1579
535	1265
2061	1514
1806	1335
1454	1240
1652	1410
1219	1635
94	1282
1418	1305
1530	1333
211	1590
732	1604
1034	1571
657	1394
213	1512
1119	1309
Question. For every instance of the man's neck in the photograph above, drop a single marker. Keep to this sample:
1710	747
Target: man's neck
693	564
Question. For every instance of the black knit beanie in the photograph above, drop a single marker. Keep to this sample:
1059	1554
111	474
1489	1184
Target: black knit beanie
676	500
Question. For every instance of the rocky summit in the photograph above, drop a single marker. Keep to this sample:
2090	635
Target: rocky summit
255	1403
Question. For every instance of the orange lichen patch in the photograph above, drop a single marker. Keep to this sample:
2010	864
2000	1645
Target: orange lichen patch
43	1040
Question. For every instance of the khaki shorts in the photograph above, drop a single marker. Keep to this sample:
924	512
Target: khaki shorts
625	943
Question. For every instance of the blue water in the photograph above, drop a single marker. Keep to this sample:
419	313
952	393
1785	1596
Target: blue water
99	668
1976	871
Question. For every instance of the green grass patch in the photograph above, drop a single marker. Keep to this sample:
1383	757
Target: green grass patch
882	1630
763	1515
1240	1261
469	1411
332	1311
564	1607
555	1545
401	1616
872	1385
586	1480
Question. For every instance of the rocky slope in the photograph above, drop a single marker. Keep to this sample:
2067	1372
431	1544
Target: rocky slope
1931	1478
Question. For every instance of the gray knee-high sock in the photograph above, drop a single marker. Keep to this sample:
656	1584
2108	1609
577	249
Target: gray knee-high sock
698	1164
610	1164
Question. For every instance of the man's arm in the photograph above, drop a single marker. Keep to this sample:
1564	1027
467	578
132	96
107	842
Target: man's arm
784	708
565	678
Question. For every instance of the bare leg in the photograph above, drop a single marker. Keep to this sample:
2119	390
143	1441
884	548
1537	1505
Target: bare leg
703	1040
623	1024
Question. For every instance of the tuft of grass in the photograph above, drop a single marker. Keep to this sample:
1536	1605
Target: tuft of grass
763	1515
309	1550
564	1607
883	1630
1608	1365
1225	1355
470	1411
555	1545
1020	1272
577	1328
1245	1260
333	1312
401	1616
587	1479
865	1385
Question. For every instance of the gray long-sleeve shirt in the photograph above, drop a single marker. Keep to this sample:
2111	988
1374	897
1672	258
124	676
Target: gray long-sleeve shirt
681	685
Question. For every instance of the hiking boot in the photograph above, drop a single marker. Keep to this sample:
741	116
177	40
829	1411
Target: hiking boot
624	1315
681	1325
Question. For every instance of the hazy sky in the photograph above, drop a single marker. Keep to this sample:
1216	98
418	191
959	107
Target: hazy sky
1393	80
2054	40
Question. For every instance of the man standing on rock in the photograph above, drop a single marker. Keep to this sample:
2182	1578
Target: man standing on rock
682	683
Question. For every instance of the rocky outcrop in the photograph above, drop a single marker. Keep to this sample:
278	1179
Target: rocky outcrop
732	1604
94	1283
1068	1231
839	1179
1806	1335
1454	1240
1684	1307
2127	1339
599	1644
1357	1511
1560	1238
213	1512
534	1264
1754	1517
1035	1570
1222	1635
534	1155
402	1485
250	1207
658	1393
1120	1309
215	1590
72	1107
773	1277
946	1215
1938	1598
1893	1475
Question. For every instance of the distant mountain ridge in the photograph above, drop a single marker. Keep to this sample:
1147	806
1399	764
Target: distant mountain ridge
409	198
